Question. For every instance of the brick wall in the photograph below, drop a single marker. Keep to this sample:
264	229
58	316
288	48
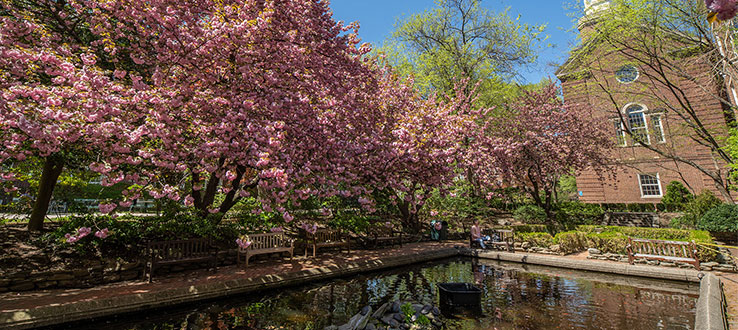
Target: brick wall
594	86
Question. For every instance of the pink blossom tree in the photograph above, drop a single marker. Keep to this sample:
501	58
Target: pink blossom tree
418	151
250	98
60	100
544	139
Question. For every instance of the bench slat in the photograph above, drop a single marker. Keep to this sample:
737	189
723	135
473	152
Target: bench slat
654	256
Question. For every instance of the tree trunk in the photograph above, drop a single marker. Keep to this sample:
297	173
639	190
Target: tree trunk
408	218
725	193
53	167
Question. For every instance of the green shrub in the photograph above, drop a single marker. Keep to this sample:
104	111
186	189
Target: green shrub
633	207
128	234
571	214
544	240
529	228
614	207
608	242
723	218
695	210
530	214
677	197
683	222
640	207
704	202
571	241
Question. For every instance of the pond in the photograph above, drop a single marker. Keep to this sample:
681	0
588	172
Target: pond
514	297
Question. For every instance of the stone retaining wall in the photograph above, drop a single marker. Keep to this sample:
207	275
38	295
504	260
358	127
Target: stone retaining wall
106	271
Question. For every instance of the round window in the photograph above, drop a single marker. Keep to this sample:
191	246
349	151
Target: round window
627	74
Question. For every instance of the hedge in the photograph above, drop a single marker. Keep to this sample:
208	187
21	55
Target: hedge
544	240
571	214
530	214
723	218
571	241
529	228
613	239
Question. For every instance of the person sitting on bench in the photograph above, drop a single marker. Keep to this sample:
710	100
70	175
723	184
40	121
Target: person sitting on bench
476	234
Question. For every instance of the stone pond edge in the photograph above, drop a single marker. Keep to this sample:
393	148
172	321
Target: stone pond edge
710	305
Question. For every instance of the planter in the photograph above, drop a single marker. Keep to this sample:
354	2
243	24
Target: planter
455	297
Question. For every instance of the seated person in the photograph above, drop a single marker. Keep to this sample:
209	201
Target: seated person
476	234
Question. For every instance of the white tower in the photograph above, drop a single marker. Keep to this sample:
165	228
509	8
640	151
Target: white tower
592	7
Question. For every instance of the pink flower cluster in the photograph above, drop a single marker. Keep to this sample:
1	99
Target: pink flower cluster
106	207
723	9
310	228
103	233
243	243
84	231
277	229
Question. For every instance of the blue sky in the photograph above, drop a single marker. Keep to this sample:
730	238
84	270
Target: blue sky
377	19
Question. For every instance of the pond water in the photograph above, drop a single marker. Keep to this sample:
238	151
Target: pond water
514	297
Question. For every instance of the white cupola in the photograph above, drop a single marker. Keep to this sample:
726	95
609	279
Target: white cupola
592	7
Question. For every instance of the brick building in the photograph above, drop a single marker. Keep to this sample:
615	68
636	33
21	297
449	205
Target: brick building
619	91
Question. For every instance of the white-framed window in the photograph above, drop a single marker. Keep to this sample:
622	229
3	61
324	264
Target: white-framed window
619	133
658	128
650	185
637	123
627	74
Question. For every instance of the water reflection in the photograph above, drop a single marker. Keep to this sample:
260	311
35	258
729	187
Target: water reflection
513	298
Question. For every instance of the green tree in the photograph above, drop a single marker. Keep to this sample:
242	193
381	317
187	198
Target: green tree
460	39
677	196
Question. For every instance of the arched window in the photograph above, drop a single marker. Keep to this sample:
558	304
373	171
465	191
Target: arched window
637	123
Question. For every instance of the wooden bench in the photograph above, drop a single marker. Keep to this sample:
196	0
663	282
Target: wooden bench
327	238
265	244
180	252
669	251
506	236
386	235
